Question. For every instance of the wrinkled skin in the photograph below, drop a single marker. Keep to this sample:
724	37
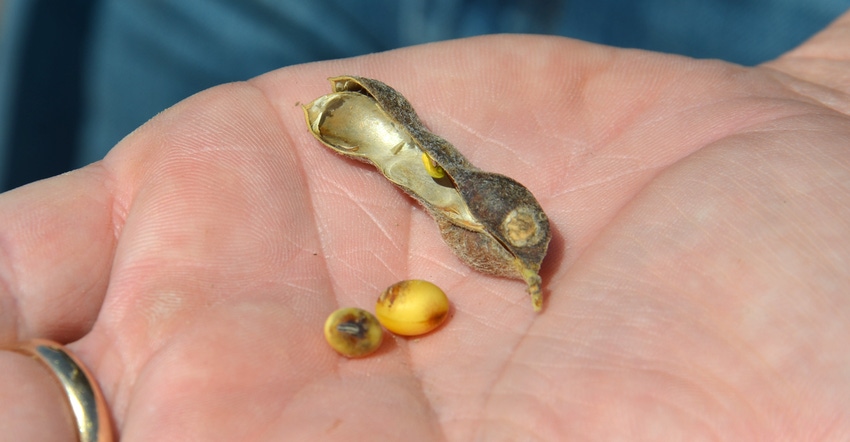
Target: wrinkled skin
696	288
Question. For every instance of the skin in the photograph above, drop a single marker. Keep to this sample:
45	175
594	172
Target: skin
696	287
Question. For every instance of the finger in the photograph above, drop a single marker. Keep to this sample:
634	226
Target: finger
820	63
56	244
39	411
828	44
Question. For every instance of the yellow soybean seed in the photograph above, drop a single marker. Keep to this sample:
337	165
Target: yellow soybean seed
412	307
353	332
432	167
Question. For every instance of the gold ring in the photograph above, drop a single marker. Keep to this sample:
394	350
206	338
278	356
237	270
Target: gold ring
87	403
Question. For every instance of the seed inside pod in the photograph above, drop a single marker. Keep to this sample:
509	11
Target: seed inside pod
353	332
413	307
432	167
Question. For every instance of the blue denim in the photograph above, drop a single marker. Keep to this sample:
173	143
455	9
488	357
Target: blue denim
145	55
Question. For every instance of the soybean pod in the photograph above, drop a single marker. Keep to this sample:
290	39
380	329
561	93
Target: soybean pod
491	222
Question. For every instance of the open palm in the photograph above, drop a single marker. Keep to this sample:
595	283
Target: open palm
696	284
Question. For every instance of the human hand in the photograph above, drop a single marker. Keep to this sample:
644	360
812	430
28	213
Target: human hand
696	285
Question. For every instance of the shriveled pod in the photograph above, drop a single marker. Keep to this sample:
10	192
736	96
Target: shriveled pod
353	332
491	222
411	308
